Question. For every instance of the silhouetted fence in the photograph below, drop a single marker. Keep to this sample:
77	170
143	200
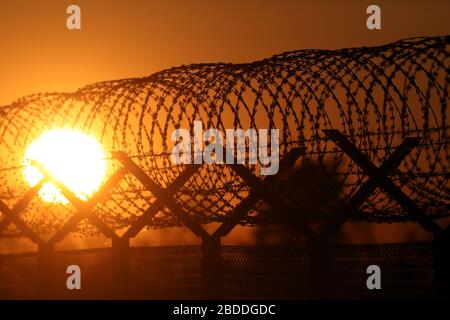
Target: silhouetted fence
376	116
211	262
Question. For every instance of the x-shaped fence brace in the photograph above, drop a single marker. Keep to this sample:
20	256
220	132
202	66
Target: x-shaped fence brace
164	197
12	215
378	178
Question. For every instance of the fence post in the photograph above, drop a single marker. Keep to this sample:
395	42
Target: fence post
212	268
441	260
320	267
46	268
121	267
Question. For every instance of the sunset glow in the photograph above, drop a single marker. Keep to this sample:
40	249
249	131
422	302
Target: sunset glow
72	157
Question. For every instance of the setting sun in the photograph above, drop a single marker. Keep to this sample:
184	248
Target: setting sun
72	157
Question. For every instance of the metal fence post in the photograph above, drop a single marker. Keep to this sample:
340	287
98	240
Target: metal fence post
441	263
212	268
320	267
121	267
46	268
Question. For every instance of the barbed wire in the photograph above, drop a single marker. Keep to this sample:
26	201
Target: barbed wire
376	96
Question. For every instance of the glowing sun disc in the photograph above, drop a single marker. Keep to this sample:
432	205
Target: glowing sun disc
74	158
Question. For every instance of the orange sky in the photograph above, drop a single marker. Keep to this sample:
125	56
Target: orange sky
121	39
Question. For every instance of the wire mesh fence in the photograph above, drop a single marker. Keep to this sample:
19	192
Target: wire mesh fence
252	272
